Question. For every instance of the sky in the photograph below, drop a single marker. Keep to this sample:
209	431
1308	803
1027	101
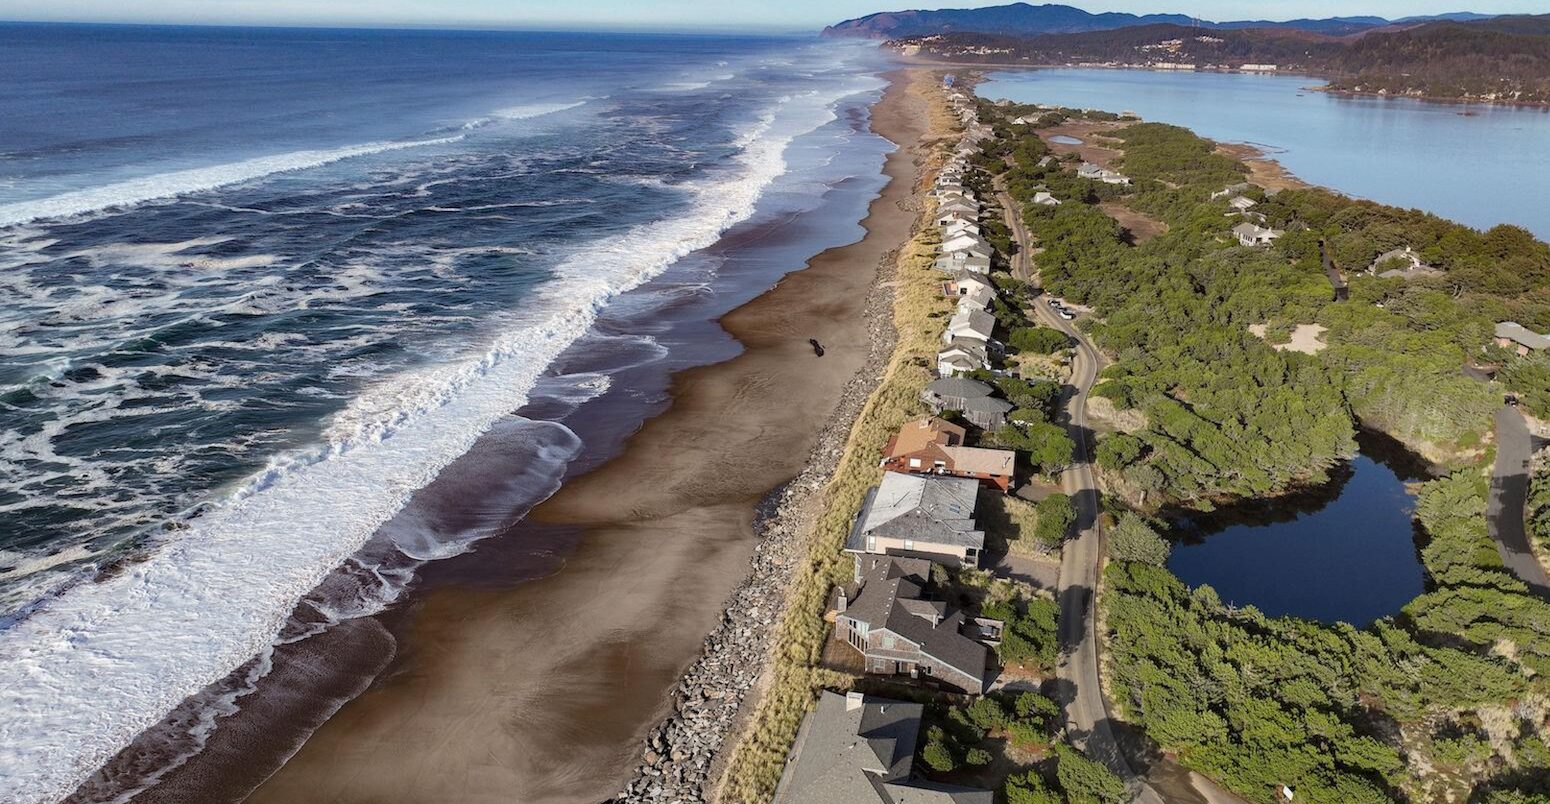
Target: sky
665	14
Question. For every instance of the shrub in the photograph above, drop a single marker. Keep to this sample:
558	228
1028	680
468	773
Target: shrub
1131	539
1056	513
1042	340
1084	780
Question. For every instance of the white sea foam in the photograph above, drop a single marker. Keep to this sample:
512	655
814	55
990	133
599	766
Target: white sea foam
91	669
176	183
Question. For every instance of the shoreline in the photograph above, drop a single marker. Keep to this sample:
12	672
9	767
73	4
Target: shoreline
663	534
1326	88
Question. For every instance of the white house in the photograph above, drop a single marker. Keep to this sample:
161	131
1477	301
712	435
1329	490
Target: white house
958	204
959	262
1230	190
1250	234
969	324
965	283
971	244
954	228
1089	170
977	298
1044	198
961	357
1241	203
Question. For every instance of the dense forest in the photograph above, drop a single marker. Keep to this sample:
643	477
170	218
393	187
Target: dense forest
1448	700
1506	58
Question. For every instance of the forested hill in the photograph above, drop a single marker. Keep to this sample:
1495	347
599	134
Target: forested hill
1499	59
1021	19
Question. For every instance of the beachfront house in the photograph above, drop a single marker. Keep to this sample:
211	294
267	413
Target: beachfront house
958	227
943	218
1241	203
886	616
977	299
958	204
962	263
1251	234
962	357
969	244
969	324
971	398
933	446
965	283
920	516
860	749
1520	339
1043	198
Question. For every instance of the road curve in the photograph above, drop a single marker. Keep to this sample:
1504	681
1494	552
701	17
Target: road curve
1088	724
1509	494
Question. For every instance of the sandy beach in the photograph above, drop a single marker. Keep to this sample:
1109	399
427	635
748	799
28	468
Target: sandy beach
543	692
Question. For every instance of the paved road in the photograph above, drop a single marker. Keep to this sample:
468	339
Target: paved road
1509	493
1088	723
1087	716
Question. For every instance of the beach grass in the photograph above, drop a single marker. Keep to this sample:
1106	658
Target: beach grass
918	317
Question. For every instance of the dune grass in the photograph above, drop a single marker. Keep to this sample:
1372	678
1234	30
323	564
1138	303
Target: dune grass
919	312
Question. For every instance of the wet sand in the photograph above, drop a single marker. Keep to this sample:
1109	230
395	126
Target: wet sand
543	692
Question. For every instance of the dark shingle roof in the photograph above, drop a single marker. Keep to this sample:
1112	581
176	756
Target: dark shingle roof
856	749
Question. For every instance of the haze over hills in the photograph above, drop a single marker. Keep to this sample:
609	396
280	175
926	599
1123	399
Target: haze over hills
1026	19
1492	59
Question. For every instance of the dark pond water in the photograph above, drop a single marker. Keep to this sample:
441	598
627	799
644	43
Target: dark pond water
1342	551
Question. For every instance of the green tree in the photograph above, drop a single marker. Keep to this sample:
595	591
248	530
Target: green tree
1042	340
1048	447
936	753
1084	780
1055	515
1132	539
1118	451
1030	788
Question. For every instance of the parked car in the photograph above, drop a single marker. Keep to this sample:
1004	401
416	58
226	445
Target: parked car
1054	302
1064	313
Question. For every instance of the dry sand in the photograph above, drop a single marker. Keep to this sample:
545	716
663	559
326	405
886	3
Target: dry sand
543	693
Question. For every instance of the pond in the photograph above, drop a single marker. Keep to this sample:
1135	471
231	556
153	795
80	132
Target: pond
1062	139
1341	551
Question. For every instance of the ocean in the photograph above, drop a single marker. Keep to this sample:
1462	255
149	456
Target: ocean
264	285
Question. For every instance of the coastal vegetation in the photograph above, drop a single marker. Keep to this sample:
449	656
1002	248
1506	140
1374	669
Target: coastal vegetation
755	764
1449	700
967	736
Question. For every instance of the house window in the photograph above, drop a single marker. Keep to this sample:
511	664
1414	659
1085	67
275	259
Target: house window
909	544
871	544
914	463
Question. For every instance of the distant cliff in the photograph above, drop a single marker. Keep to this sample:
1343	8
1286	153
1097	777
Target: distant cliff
1022	19
1502	59
1018	18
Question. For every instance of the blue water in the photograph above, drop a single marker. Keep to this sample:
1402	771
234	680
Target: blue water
1345	552
1480	170
263	285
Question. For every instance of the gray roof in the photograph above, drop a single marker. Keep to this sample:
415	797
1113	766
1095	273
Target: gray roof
1513	331
856	749
985	404
959	387
848	745
924	508
889	598
969	319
